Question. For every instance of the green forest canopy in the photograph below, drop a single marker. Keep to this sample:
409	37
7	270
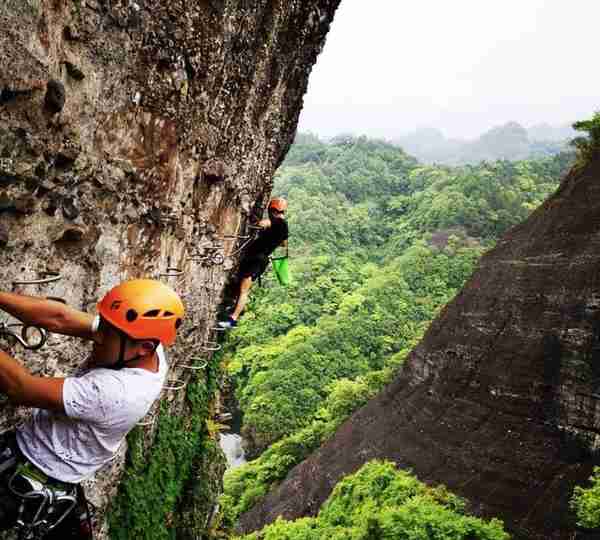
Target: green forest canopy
379	244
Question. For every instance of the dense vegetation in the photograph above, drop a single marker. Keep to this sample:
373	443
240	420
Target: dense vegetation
155	481
586	502
380	243
380	502
588	144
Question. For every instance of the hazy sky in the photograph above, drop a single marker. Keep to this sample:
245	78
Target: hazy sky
391	66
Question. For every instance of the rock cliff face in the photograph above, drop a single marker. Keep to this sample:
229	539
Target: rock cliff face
501	399
136	138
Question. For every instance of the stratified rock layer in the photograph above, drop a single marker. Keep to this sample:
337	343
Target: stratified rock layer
136	139
501	399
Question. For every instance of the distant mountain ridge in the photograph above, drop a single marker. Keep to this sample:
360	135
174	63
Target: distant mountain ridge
510	141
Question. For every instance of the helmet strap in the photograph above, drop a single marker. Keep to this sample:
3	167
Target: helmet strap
121	363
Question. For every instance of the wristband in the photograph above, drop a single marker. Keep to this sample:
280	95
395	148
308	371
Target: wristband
96	324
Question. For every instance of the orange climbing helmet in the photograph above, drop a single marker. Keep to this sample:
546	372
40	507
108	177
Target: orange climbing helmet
143	309
278	204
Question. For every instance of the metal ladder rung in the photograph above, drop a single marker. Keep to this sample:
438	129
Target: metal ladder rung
202	365
149	422
172	271
174	384
210	347
53	276
233	237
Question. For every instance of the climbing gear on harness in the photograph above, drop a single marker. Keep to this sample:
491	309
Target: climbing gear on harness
45	503
143	309
41	504
30	337
279	204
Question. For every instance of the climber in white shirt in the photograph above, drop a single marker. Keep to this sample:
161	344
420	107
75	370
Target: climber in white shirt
79	422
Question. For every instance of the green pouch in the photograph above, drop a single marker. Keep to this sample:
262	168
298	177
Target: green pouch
282	269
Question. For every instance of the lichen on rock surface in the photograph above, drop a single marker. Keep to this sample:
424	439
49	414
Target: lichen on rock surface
123	126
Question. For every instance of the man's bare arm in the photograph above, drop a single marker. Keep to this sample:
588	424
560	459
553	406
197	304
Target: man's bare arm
23	388
49	314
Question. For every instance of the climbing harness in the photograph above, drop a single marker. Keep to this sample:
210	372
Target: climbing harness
43	502
25	337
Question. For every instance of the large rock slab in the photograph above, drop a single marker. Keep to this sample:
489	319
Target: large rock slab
131	133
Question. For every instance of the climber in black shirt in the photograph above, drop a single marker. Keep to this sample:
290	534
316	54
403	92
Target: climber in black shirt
274	233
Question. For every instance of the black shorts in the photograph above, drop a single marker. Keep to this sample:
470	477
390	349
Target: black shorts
253	266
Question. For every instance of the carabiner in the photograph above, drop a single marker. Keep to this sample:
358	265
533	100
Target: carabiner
24	339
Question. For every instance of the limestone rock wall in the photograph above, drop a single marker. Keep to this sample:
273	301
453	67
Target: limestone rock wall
136	139
501	399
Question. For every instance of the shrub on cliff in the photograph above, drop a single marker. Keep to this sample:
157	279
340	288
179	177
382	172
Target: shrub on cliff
587	146
383	503
586	502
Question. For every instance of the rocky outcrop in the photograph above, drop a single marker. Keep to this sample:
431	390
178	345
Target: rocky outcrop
136	139
501	399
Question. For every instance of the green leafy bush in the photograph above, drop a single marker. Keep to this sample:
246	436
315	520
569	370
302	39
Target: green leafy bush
380	502
152	486
587	146
586	502
244	486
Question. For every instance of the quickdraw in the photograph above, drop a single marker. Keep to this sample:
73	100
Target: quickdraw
209	253
248	239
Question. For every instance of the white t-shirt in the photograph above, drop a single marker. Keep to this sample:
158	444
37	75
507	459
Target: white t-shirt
101	407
